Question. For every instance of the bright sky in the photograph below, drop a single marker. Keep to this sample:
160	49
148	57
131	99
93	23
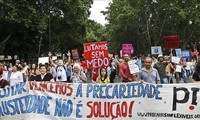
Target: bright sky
97	7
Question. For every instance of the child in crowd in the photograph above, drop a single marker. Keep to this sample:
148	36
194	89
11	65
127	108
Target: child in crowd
103	76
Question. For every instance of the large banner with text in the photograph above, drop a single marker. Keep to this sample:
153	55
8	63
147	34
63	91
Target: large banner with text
128	101
96	55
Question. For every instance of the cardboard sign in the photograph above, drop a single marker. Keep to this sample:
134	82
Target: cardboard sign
133	67
155	50
96	55
75	54
178	53
127	49
172	41
43	60
175	59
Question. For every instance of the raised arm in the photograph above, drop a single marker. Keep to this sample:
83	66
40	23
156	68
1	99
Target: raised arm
50	59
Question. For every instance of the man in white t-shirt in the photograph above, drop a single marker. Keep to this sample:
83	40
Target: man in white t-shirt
60	69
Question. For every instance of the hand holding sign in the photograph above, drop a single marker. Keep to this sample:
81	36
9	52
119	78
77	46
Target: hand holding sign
49	54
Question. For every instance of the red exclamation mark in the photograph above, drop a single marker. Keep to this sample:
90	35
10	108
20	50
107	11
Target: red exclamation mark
131	108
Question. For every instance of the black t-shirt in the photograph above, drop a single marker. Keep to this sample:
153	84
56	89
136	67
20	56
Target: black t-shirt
196	76
3	83
47	77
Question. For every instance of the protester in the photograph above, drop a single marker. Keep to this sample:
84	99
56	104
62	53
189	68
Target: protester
3	83
170	69
196	75
78	76
125	71
44	76
60	68
148	73
32	72
112	72
160	66
103	76
16	76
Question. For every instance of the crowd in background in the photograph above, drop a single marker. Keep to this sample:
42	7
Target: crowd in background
158	70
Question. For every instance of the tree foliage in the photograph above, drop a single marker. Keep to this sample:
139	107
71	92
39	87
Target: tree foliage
33	27
144	23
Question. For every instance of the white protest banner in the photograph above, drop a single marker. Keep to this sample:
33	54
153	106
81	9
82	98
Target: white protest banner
178	68
43	60
133	67
175	59
128	101
155	50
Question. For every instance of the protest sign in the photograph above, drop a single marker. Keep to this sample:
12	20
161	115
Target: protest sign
178	68
127	49
172	41
133	101
75	54
155	50
194	53
133	67
178	53
186	54
96	55
43	60
175	59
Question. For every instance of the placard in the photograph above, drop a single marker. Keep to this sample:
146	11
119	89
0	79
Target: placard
172	41
43	60
175	59
96	55
155	50
127	49
133	67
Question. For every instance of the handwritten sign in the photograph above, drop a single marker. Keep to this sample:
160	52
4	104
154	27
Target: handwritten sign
127	49
133	67
96	55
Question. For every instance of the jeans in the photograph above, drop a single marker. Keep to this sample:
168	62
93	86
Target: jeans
164	80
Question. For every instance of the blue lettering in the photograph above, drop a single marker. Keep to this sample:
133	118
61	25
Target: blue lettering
107	91
89	89
78	106
122	89
79	91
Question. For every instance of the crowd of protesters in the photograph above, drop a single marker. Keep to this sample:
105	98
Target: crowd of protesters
151	70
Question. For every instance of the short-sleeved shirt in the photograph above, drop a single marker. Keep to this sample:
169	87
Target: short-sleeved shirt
3	83
196	76
161	67
47	77
150	77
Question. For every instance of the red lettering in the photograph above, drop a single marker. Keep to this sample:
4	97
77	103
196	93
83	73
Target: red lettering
110	109
91	109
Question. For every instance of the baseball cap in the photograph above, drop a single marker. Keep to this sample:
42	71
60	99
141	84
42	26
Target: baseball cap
160	55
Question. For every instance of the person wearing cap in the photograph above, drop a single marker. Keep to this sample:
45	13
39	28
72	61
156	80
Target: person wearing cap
125	71
160	66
